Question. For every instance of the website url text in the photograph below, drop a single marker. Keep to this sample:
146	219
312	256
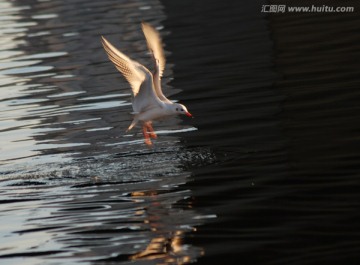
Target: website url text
306	9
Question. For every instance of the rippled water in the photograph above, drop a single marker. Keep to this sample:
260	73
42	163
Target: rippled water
266	172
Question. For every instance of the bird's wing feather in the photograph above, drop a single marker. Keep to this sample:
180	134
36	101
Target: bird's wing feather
131	70
155	45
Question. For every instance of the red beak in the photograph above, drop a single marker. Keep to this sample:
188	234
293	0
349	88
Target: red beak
188	114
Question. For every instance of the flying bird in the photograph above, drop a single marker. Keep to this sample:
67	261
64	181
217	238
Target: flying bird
148	101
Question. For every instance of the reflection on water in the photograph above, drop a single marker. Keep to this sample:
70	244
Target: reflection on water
135	220
75	186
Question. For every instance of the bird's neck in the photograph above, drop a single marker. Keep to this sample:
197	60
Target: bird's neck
168	107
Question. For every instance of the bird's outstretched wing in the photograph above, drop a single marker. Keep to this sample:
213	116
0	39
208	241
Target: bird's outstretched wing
155	45
134	72
138	76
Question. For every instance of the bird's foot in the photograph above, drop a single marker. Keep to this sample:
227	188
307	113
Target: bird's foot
152	135
148	142
146	136
150	130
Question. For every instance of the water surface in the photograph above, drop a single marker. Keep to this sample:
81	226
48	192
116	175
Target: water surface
266	172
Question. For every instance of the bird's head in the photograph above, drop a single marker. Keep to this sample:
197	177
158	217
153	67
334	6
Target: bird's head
181	109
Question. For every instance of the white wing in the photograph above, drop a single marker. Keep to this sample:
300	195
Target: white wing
130	69
155	45
139	78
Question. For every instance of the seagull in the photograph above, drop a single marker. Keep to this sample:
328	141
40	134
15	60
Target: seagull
148	101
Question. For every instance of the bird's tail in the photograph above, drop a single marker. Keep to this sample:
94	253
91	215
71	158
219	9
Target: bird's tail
133	123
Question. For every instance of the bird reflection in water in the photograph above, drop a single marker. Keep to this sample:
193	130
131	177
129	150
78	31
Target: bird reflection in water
167	245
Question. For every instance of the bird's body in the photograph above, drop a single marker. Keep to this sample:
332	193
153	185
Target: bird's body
148	101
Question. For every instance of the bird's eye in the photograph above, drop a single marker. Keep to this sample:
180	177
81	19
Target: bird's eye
182	110
177	109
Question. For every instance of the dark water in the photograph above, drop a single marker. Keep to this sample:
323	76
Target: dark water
266	173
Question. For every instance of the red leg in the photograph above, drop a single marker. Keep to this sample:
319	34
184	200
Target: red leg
151	130
146	135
